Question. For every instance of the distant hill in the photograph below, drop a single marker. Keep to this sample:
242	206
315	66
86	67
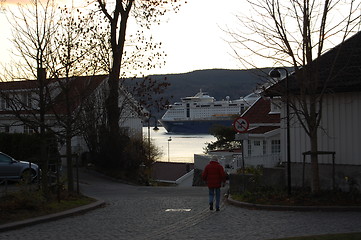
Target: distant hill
219	83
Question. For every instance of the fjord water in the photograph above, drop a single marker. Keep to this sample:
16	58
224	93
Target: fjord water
182	147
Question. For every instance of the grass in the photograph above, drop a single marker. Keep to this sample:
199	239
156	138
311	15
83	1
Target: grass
299	197
26	204
344	236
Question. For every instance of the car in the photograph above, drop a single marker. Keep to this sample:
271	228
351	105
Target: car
12	169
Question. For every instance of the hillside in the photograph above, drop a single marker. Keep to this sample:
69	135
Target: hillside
219	83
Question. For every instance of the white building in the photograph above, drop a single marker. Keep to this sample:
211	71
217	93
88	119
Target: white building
339	131
19	101
263	144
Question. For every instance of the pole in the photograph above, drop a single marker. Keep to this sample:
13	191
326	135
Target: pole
274	73
288	137
149	139
169	139
243	169
77	173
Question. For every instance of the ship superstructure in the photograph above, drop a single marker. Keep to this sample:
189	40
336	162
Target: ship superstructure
198	114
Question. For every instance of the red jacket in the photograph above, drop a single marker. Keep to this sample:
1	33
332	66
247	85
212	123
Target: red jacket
214	174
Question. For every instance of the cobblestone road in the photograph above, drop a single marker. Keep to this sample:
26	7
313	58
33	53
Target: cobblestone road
134	212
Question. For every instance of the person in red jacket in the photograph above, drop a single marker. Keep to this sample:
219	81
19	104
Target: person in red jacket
215	176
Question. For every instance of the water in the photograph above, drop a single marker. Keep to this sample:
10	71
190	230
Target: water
182	147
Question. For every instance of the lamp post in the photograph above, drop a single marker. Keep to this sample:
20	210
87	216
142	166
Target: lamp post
169	139
275	73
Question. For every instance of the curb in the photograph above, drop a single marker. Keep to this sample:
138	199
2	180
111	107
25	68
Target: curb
51	217
255	206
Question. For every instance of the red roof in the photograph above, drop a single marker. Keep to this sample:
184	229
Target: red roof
259	113
262	129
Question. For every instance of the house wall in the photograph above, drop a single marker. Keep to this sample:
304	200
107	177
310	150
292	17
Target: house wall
260	144
133	127
340	131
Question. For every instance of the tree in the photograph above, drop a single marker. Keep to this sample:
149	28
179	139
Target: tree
117	15
71	48
32	29
54	49
225	139
296	33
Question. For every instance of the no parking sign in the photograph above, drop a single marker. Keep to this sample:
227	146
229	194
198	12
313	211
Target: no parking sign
241	125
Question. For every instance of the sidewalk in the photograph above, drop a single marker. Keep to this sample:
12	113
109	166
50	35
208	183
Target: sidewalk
51	217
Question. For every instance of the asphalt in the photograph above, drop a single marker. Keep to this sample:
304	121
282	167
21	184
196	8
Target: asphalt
135	212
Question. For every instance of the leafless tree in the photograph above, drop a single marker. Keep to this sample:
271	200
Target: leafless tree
32	30
53	47
71	49
117	14
295	33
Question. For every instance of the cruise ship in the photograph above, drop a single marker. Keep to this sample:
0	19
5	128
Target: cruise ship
198	114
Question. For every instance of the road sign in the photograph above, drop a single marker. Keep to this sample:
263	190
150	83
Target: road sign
241	125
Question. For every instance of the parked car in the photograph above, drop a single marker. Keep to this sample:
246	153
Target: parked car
16	170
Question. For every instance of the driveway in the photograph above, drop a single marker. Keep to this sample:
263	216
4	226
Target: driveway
134	212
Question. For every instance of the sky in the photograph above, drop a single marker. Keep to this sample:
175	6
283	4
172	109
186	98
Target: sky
192	38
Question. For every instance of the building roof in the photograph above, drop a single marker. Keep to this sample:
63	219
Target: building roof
262	129
17	85
80	88
259	113
339	70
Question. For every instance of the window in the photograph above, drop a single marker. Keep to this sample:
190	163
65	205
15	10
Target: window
27	101
4	158
125	130
249	148
28	130
188	110
275	106
242	108
264	147
5	129
5	101
257	143
275	146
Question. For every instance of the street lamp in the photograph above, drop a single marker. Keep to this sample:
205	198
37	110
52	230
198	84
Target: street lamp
275	73
169	139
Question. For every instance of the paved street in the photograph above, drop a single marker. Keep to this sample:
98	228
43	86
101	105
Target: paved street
134	212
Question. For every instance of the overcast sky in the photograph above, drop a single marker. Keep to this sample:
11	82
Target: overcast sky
193	38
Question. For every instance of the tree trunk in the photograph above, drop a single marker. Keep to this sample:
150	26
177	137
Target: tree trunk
315	187
41	77
314	146
113	111
69	161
